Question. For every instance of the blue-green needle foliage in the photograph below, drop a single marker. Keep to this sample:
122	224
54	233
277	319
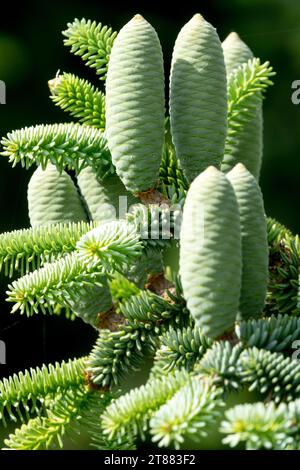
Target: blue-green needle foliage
284	270
93	255
276	333
58	282
243	143
130	413
181	347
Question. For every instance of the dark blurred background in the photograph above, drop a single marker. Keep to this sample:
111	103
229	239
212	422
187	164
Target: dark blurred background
31	52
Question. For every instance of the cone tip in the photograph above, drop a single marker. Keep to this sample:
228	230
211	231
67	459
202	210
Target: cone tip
197	17
138	17
232	37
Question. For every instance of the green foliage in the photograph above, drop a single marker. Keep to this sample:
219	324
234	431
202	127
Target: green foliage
92	42
91	424
156	223
121	288
284	269
147	306
25	393
117	353
110	245
146	316
245	89
276	333
48	432
120	273
220	363
272	374
26	249
170	172
55	282
79	98
243	86
260	426
181	347
69	146
130	414
113	244
187	414
244	143
263	426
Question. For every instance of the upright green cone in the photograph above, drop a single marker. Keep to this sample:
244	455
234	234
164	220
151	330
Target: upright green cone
90	301
106	199
210	252
254	241
198	97
236	52
135	105
53	198
244	143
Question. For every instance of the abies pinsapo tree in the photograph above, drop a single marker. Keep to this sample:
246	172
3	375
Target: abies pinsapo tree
194	276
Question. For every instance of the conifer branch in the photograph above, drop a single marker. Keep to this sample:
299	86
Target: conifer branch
92	42
115	353
79	98
283	269
245	90
276	333
129	415
58	280
25	392
91	425
220	363
68	145
121	288
113	244
259	425
65	418
187	414
155	223
27	249
245	87
181	347
271	374
170	172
